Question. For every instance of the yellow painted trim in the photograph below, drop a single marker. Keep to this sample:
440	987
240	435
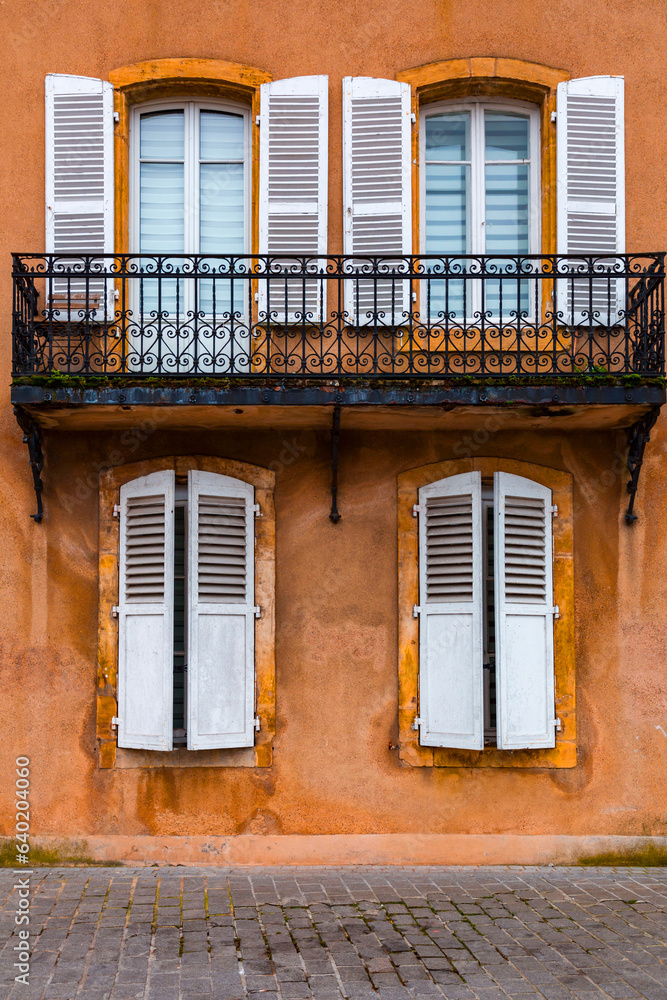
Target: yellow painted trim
107	662
158	78
514	79
564	754
188	69
490	68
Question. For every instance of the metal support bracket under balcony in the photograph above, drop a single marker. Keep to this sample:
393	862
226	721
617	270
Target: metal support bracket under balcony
335	434
638	437
32	436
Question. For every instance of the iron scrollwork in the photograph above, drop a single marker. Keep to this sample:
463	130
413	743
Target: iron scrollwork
638	437
32	436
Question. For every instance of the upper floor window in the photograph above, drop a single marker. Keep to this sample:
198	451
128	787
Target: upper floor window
191	178
480	178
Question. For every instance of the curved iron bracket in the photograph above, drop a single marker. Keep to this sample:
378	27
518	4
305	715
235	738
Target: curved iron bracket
638	437
335	434
32	436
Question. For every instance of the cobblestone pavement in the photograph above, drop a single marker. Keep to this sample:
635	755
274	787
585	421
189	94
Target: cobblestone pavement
178	933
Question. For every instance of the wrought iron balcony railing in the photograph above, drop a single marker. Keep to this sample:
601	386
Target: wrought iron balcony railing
141	315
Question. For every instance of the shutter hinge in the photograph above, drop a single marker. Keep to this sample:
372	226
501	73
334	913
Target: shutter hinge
414	296
116	510
417	723
554	510
554	117
258	612
114	611
256	723
417	508
258	120
556	612
116	117
413	118
557	724
115	722
416	611
116	294
257	509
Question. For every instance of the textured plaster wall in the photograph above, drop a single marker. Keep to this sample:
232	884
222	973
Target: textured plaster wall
333	771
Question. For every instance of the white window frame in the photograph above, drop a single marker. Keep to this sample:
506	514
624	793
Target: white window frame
191	108
476	106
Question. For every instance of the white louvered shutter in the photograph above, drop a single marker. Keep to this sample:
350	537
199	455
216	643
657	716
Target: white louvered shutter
377	195
80	181
451	706
145	613
591	192
524	613
293	170
221	625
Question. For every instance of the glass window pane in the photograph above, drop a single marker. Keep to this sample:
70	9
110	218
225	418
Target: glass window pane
507	216
161	228
220	136
162	136
447	208
448	137
221	213
221	231
506	136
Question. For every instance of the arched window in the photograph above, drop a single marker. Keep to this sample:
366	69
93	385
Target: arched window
190	187
480	183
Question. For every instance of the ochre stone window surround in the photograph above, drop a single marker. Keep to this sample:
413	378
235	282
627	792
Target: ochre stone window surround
179	79
263	480
509	79
564	754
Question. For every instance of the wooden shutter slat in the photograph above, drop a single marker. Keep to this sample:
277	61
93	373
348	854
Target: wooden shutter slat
524	613
450	617
376	189
591	191
79	179
145	613
293	188
221	628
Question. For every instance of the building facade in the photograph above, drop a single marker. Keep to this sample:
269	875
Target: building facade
338	360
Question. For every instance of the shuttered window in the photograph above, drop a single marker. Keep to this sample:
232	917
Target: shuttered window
186	613
486	613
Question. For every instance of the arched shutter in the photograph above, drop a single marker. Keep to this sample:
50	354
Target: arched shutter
451	706
591	192
221	625
377	197
79	180
293	165
145	613
524	613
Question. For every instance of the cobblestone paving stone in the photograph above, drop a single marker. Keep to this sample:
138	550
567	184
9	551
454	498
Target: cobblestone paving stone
399	933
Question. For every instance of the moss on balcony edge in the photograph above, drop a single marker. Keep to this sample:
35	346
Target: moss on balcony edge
57	380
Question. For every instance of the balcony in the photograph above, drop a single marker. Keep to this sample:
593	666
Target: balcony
220	329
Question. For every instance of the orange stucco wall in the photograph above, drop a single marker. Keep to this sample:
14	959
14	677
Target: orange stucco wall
333	768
